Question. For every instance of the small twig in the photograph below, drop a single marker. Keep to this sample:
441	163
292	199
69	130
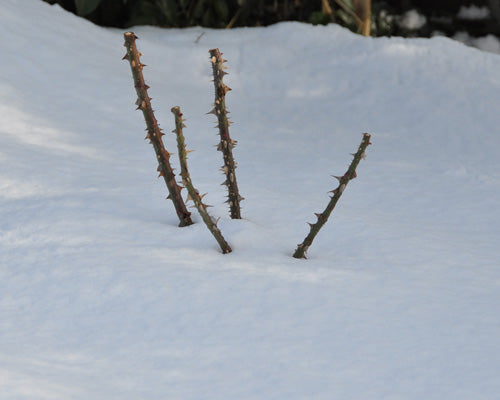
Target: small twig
363	9
302	248
154	132
199	37
325	7
226	144
234	19
349	11
186	181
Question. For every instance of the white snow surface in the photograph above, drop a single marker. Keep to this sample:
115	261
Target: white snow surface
102	296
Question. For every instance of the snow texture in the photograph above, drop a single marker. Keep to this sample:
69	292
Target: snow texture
102	296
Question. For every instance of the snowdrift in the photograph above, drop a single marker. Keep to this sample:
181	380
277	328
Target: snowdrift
102	296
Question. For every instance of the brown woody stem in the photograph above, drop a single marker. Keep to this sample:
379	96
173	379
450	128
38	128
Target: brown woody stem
302	248
154	132
193	193
363	9
226	144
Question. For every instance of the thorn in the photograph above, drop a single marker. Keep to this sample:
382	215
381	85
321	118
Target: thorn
311	225
337	177
125	57
169	197
240	198
189	197
319	215
212	111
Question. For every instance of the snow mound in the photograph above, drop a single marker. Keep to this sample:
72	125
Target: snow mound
102	296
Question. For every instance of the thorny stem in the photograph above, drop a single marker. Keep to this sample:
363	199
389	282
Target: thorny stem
302	248
154	132
186	181
226	144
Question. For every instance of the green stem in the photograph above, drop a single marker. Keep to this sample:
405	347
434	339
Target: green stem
226	144
193	193
154	132
302	248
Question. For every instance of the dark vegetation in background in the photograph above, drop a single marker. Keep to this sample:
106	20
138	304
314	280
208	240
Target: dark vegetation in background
440	15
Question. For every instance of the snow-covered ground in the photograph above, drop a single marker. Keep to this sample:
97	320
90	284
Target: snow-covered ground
102	296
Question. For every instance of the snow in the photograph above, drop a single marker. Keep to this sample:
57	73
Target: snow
486	43
412	20
473	12
102	296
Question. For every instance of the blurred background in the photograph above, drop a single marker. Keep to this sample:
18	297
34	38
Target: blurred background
474	22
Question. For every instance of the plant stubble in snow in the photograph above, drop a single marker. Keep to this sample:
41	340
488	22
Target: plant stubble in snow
99	299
